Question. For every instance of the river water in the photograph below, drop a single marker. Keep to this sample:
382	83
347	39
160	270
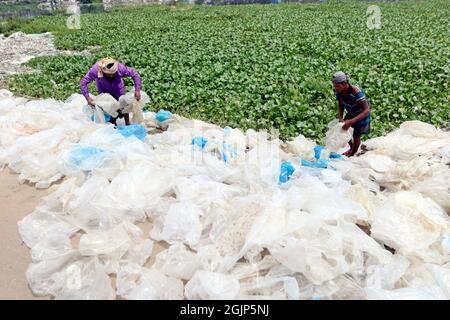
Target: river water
31	11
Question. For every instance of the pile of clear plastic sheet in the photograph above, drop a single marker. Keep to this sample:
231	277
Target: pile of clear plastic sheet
243	215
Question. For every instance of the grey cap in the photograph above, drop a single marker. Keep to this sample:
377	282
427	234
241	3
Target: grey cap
339	77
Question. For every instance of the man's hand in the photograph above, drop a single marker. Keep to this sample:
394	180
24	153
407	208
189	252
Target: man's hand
347	124
91	102
137	95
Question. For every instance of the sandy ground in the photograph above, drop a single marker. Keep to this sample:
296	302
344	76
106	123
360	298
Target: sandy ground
16	201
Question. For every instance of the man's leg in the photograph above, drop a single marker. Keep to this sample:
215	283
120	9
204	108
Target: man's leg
356	143
349	151
126	116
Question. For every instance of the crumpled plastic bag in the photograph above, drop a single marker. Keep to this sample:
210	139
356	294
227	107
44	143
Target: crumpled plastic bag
114	242
88	159
301	146
208	285
50	247
321	163
135	130
200	141
412	139
436	186
411	224
84	279
42	224
42	275
386	276
182	223
163	115
39	164
441	275
137	283
108	104
96	114
337	138
129	104
177	262
286	170
269	288
317	265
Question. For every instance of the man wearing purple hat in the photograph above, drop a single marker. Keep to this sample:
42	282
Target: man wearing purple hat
108	74
354	102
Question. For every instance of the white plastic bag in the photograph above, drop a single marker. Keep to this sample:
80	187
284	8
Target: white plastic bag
285	288
177	262
136	283
336	137
84	280
50	247
302	147
129	104
113	243
44	225
41	275
411	224
182	223
107	103
208	285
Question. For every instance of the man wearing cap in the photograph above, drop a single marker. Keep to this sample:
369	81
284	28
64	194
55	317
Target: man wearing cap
357	109
108	74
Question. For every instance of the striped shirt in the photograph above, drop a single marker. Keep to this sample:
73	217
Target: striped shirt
352	106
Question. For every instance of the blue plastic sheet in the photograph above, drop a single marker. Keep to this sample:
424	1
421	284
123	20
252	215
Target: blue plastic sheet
136	130
163	115
200	141
228	151
321	163
287	169
86	158
79	154
107	117
318	151
334	155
